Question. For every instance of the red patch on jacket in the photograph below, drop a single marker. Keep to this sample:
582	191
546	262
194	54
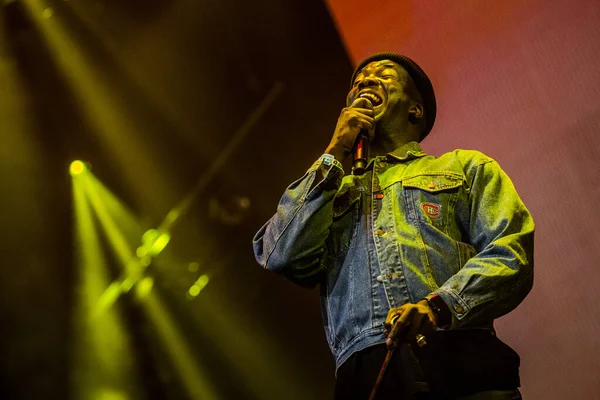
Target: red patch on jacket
433	210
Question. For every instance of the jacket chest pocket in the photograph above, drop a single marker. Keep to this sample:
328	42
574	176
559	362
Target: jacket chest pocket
345	220
431	197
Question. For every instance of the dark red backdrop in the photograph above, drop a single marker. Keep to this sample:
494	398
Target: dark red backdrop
519	81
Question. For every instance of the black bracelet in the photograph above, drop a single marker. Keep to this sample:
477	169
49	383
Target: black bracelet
435	302
433	306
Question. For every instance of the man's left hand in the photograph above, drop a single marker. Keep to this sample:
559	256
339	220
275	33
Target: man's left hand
409	320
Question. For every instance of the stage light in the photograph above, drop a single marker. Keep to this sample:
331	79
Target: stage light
198	285
77	167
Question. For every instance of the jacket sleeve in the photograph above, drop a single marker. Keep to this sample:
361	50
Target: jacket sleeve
500	275
292	242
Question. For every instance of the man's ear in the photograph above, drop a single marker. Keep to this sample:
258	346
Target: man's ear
415	112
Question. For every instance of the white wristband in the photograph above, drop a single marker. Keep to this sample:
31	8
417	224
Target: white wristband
327	159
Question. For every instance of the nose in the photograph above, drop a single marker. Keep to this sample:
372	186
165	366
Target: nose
368	81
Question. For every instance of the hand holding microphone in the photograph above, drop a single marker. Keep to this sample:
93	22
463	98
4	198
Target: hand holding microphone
361	148
358	119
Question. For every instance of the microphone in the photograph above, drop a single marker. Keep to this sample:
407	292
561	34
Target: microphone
361	148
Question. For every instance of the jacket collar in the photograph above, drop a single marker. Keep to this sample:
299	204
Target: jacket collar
409	151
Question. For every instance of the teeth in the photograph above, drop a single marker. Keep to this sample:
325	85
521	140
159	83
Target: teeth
374	99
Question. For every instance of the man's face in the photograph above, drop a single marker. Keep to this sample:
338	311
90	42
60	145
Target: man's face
385	84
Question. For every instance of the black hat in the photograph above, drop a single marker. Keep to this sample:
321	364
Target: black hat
418	76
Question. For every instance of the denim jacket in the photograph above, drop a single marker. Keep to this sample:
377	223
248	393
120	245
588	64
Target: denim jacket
411	226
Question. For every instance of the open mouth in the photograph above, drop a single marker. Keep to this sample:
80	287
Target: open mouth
372	97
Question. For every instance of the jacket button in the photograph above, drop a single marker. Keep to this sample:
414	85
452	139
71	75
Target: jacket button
458	308
379	232
380	278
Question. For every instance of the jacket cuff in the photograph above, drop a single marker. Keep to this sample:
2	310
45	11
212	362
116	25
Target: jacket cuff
456	304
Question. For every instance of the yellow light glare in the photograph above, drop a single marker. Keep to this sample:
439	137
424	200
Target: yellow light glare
77	167
48	12
100	336
155	241
149	235
145	261
141	252
198	285
160	243
110	394
107	299
127	284
194	291
144	287
116	238
202	281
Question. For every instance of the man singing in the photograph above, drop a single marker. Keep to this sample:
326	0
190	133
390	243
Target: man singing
415	253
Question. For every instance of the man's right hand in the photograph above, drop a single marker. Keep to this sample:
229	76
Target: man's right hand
353	119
